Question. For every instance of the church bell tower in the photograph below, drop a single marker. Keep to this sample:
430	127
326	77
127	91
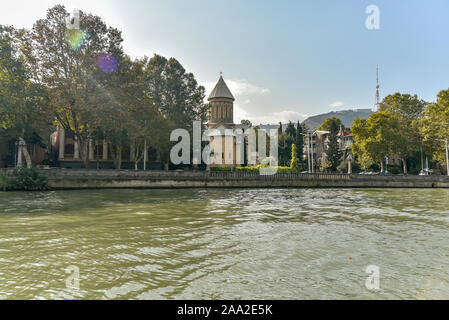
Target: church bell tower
221	103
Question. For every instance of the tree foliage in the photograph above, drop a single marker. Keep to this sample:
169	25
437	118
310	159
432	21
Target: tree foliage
22	112
434	126
66	62
294	165
330	123
333	153
394	130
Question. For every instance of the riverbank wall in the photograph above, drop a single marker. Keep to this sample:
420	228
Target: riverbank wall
60	179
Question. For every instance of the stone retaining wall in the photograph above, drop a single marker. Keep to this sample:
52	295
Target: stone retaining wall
103	179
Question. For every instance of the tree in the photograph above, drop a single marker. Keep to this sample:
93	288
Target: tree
285	145
294	165
333	152
175	92
325	165
291	131
330	123
246	123
66	61
434	126
375	138
21	100
406	111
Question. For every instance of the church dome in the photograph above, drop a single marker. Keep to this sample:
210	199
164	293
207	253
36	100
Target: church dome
221	90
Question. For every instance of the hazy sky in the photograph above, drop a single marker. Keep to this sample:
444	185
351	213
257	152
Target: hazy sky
283	60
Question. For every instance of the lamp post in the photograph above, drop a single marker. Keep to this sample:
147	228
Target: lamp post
313	163
145	150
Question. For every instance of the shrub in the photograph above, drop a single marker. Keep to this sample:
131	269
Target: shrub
221	169
253	169
23	180
294	165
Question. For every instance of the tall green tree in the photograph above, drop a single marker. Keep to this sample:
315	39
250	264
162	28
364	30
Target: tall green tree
66	61
21	100
434	126
299	142
333	147
290	130
286	140
175	92
375	138
406	110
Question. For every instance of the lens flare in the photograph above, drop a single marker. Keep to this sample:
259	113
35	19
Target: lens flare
76	38
107	63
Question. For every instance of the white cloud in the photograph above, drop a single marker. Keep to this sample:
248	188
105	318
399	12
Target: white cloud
240	89
337	104
274	118
244	88
246	95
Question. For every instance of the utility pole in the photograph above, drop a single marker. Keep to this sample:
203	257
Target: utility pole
350	164
308	151
313	164
145	151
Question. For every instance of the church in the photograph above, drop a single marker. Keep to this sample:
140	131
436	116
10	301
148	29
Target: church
227	146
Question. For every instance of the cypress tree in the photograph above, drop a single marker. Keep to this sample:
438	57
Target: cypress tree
333	151
299	142
294	165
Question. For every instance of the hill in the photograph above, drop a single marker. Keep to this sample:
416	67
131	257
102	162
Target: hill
346	116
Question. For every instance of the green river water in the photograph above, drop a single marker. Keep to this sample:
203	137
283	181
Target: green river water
225	244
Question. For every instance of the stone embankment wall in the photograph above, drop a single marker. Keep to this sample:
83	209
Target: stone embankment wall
103	179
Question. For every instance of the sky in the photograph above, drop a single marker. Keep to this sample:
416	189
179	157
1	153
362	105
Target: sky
283	60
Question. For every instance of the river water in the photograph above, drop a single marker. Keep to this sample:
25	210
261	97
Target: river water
225	244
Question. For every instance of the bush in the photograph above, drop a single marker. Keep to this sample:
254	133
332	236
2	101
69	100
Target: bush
221	169
253	169
23	180
294	165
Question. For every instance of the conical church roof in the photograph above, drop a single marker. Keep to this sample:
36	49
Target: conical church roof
221	90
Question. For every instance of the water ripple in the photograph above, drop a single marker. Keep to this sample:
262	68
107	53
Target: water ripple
224	244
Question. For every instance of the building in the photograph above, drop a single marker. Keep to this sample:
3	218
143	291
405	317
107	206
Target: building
227	148
316	143
346	139
9	153
66	149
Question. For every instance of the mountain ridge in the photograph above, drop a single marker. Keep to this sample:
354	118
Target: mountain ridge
347	117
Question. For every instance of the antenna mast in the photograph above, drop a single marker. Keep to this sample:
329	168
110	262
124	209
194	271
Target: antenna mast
377	104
